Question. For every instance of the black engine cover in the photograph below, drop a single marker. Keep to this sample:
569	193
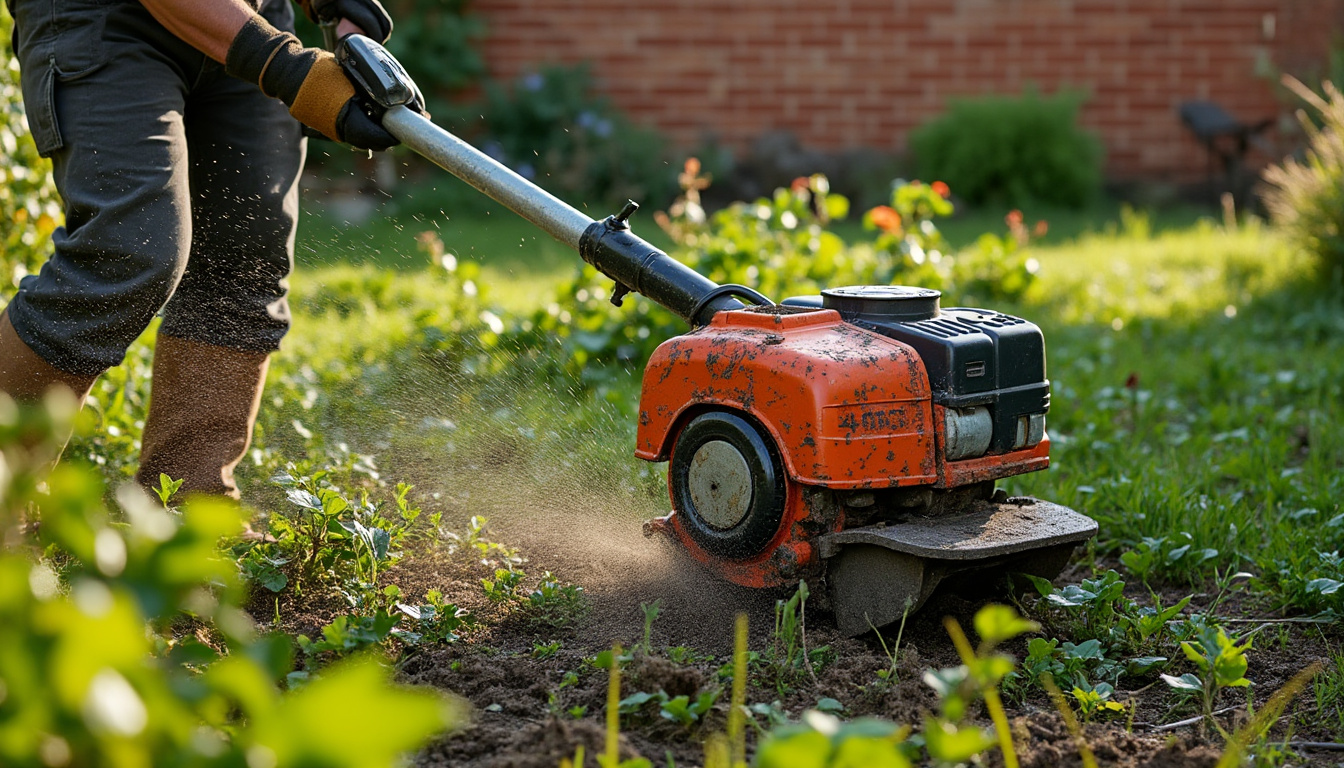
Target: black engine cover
973	356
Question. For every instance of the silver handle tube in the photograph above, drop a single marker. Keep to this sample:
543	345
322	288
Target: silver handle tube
483	172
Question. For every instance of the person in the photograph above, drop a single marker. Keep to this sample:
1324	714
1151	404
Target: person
171	125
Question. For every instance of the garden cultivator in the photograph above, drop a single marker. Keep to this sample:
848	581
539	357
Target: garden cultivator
852	438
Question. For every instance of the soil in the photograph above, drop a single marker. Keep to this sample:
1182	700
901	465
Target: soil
525	712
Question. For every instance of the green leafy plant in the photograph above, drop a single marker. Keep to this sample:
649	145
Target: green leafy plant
435	621
1012	150
1306	197
1095	699
947	736
348	634
651	611
1221	663
328	536
94	652
504	585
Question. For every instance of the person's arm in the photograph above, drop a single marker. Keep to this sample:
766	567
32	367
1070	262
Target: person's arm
210	26
308	80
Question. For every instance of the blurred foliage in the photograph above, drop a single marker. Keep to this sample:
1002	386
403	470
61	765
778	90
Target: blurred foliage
124	643
29	207
552	129
437	41
1012	150
1306	197
781	246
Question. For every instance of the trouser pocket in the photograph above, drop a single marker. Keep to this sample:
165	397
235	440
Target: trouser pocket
39	102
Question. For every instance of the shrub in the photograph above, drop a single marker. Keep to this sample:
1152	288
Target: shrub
552	129
29	206
1306	197
1012	150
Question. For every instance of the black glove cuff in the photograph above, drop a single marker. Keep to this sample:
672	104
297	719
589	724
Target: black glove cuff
252	48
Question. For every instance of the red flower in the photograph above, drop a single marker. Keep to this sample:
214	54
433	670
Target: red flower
885	218
800	184
1040	229
942	189
1014	219
1132	382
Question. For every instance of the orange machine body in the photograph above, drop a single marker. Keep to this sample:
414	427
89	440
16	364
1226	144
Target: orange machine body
848	410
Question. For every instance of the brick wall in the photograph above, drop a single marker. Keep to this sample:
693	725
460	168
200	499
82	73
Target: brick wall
862	73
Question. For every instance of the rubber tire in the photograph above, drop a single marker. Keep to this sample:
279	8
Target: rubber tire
769	491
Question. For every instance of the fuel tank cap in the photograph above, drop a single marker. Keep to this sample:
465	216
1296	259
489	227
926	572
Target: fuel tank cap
900	303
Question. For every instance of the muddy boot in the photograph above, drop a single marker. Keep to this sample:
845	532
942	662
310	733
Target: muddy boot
202	404
26	377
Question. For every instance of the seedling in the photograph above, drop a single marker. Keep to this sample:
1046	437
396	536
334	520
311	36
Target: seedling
1221	664
789	649
946	736
434	622
651	611
503	587
1095	699
350	633
168	487
542	650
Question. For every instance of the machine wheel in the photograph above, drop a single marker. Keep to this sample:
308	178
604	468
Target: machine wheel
728	484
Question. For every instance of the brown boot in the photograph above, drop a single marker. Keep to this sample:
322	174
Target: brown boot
202	404
26	377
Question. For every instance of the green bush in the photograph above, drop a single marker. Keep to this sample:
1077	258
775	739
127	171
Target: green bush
1306	197
551	128
29	206
1012	150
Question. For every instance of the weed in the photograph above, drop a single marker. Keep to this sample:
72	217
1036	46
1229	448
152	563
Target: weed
555	603
350	633
1221	664
1095	699
436	621
490	552
650	611
504	586
682	710
789	653
1328	688
888	675
168	488
542	650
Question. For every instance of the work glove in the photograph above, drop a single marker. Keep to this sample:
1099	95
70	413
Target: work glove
368	15
309	81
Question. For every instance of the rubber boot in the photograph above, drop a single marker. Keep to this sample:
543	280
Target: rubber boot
26	377
202	404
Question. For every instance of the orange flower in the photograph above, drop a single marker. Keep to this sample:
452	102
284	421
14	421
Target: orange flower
691	167
885	218
942	189
800	184
1013	219
1040	229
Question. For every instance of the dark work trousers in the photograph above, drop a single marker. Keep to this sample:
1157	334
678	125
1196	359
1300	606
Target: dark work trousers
180	186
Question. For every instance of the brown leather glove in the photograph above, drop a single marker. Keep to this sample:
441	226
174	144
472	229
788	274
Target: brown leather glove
308	81
368	15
